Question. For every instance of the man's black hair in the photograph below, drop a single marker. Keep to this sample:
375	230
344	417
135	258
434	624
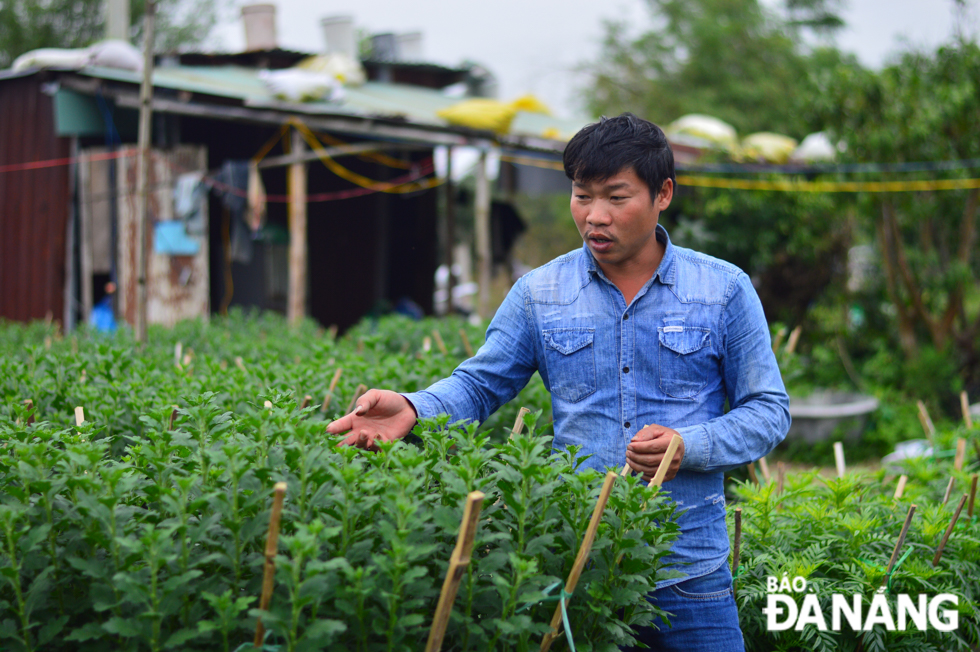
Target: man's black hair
604	148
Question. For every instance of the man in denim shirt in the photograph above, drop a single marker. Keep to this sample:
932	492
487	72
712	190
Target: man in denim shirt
627	331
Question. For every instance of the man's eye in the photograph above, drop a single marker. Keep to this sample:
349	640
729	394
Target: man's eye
582	197
617	198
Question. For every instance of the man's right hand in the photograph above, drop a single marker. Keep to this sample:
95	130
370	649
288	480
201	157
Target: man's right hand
378	415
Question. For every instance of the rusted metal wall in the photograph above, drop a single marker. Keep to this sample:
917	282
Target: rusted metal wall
34	204
177	286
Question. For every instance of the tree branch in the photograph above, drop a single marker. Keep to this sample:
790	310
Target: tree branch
905	271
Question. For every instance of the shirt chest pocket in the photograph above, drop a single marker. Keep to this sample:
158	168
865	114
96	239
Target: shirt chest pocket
684	357
570	357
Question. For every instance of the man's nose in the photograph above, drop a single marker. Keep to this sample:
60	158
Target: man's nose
599	215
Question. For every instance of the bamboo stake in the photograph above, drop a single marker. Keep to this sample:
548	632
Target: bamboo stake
240	363
780	476
333	385
306	402
949	530
458	562
358	392
466	343
965	406
583	556
900	489
658	478
794	339
764	467
426	344
439	343
901	540
79	415
269	569
778	340
926	422
187	358
752	476
973	494
960	454
737	548
839	459
173	417
519	422
178	352
627	471
949	490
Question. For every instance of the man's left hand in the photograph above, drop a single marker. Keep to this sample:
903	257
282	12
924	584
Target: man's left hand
646	450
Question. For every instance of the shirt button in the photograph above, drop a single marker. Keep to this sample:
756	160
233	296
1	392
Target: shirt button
626	425
626	316
626	370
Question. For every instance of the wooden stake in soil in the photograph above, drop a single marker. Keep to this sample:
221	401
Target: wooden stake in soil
333	385
583	556
173	417
79	415
780	476
269	570
439	343
306	402
839	459
965	406
764	467
458	562
949	530
736	548
752	476
627	471
178	353
960	454
926	422
240	363
973	494
358	392
519	422
466	343
900	542
949	490
794	339
900	489
778	340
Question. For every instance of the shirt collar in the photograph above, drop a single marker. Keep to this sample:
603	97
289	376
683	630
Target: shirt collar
666	271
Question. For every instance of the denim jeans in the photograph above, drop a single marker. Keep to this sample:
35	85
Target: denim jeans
704	616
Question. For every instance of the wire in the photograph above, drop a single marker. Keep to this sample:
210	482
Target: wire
828	186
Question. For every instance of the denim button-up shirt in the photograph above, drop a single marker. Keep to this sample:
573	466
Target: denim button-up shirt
693	337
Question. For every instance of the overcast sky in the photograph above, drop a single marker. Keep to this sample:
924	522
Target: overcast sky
536	45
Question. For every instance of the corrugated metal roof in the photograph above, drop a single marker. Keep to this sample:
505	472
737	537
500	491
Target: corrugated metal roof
411	104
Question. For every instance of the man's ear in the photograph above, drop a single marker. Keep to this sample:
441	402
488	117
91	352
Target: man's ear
665	195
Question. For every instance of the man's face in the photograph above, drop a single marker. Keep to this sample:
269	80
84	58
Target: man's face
617	218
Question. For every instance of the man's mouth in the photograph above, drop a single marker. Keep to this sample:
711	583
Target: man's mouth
599	242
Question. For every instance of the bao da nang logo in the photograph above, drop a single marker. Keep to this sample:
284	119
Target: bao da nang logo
919	612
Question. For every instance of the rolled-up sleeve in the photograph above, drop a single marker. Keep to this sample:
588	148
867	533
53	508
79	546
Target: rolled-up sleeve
759	416
491	378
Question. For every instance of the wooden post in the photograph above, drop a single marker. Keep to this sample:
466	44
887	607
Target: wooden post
737	548
466	343
839	459
178	352
949	490
439	343
358	391
333	385
901	541
581	558
778	340
973	494
29	404
780	476
296	181
752	476
960	454
900	489
173	417
764	467
482	228
306	402
458	562
79	415
965	406
426	344
658	478
949	530
450	232
926	422
143	169
269	568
